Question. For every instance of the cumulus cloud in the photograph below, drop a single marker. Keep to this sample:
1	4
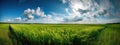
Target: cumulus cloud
28	13
40	13
79	11
30	17
87	10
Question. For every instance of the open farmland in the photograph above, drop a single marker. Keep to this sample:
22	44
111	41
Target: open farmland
63	34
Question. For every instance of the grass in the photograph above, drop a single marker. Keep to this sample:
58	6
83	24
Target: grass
4	38
60	34
110	36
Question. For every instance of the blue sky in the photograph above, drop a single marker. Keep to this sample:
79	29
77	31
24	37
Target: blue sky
60	11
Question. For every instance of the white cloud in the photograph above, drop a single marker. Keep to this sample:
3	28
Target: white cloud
87	10
82	11
28	13
9	20
80	4
63	1
43	18
39	12
30	17
67	10
18	19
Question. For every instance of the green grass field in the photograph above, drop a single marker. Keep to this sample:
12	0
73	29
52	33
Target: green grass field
59	34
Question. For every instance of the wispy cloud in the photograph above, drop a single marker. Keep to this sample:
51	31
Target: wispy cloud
82	11
63	1
17	19
87	10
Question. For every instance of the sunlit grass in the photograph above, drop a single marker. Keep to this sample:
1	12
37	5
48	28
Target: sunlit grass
55	34
60	34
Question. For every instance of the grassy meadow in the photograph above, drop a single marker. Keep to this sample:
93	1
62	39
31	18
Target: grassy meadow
59	34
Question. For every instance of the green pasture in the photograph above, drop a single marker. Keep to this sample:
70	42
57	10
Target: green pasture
59	34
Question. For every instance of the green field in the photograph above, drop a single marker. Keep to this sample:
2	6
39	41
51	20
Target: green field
59	34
